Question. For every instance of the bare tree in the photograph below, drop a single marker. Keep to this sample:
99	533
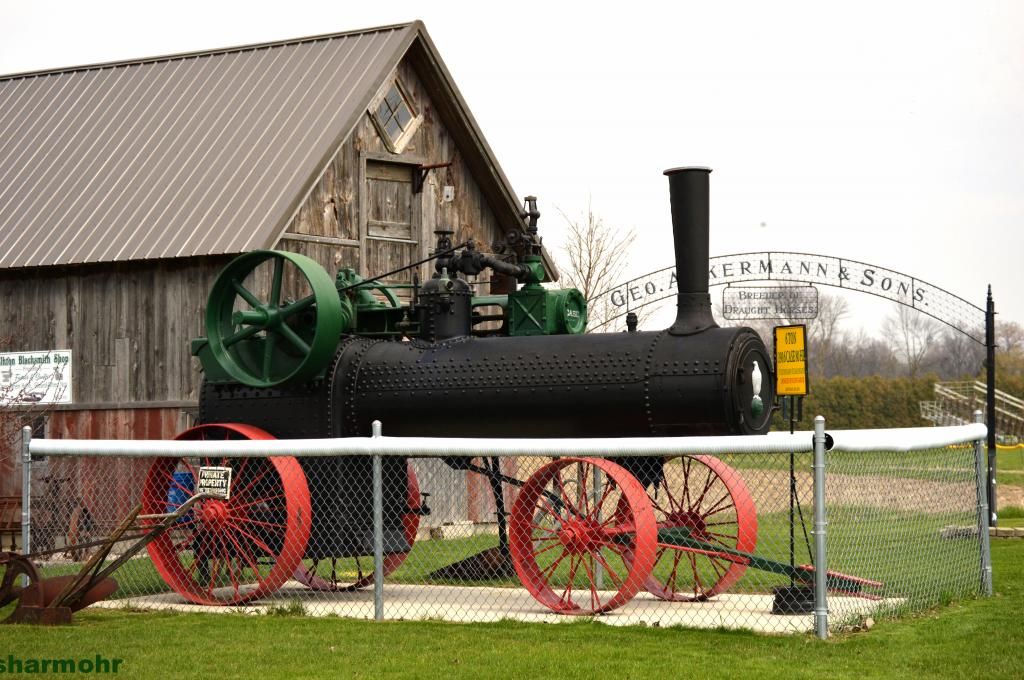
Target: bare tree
1010	355
1009	336
862	355
912	335
824	335
595	259
958	355
1010	365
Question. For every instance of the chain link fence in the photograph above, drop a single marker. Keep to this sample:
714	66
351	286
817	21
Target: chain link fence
721	534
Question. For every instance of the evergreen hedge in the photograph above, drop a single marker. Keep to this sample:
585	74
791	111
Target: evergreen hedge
862	403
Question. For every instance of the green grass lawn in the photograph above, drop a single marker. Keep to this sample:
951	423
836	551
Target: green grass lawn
969	638
1010	472
1010	466
1011	459
1011	517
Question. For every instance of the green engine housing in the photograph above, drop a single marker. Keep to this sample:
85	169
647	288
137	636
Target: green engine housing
535	310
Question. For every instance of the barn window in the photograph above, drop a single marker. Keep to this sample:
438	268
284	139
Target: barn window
394	116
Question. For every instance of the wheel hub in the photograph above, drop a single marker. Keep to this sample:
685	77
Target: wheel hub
214	514
687	519
580	536
264	316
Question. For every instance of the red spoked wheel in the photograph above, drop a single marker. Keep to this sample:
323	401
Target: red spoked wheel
708	502
348	574
582	536
236	550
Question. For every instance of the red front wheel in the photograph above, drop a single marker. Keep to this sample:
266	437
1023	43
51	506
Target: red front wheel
236	550
582	536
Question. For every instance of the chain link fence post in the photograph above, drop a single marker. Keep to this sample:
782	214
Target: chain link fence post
26	496
378	531
820	558
981	470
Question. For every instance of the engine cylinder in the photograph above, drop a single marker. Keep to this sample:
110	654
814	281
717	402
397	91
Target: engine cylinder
601	385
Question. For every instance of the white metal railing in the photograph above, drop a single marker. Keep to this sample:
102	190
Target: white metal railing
430	447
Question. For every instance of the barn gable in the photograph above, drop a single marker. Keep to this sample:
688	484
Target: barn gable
205	153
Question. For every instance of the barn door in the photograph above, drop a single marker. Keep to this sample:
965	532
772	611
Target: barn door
393	220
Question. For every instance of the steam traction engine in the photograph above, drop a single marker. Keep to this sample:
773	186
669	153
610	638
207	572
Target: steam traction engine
292	353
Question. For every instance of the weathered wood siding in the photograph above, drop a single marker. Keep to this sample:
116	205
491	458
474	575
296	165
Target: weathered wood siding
128	325
331	224
109	487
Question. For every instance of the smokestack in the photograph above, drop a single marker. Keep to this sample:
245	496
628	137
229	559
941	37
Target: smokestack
688	191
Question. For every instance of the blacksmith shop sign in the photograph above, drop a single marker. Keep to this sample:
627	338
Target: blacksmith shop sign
35	377
742	303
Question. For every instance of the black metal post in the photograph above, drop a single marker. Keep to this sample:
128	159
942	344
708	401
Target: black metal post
494	463
792	488
792	503
990	402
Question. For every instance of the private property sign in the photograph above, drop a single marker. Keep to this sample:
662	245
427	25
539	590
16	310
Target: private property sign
740	303
215	481
791	361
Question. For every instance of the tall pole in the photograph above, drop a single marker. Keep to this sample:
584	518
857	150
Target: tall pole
819	532
26	496
378	530
990	402
983	514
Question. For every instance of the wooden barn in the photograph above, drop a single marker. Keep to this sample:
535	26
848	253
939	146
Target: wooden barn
125	188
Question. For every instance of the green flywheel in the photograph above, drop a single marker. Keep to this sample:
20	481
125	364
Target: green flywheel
287	332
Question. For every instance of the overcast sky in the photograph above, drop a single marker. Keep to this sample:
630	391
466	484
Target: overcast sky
891	133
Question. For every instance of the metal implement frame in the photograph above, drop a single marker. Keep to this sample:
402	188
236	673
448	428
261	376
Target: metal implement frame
36	607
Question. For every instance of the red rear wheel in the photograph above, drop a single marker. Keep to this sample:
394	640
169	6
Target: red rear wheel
352	573
582	536
236	550
704	499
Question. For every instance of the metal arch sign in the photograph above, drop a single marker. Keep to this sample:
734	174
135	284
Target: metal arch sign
824	270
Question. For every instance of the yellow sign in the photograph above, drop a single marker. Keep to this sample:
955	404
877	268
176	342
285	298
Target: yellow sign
790	360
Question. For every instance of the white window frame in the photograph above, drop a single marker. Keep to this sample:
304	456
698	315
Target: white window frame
397	145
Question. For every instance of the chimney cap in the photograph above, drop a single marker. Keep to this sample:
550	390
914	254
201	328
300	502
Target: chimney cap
687	168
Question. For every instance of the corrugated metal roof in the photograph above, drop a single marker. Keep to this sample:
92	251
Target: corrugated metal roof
192	154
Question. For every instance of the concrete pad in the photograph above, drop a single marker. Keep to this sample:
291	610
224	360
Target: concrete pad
466	604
